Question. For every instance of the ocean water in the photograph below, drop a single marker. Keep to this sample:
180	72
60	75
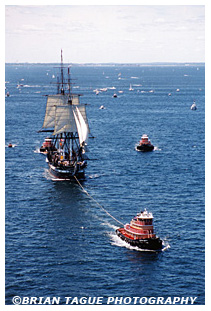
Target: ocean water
59	242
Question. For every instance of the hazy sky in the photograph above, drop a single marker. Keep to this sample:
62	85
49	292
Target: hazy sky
120	33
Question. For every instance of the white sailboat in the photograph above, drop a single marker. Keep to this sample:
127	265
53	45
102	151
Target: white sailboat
193	107
130	88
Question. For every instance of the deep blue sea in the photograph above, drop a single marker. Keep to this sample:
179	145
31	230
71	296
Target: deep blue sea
59	242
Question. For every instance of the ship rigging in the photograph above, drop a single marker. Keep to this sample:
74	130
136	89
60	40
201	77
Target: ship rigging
66	119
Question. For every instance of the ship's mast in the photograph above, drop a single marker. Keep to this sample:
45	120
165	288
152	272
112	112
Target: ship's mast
62	83
62	74
69	83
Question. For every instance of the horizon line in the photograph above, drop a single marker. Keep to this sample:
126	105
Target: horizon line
108	63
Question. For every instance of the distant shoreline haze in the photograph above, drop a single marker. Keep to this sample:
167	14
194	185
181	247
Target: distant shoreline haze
116	64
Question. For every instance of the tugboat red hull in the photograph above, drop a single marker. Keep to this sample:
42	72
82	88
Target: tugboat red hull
146	244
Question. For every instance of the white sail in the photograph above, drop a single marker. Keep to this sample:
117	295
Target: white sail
64	113
75	99
80	135
64	120
84	128
82	109
52	102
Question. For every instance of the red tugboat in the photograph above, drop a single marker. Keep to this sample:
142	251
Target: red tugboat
140	232
47	146
145	144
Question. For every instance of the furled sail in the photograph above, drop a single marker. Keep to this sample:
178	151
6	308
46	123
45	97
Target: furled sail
64	120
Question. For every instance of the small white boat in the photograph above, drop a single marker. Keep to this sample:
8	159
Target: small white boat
130	88
19	85
193	107
96	91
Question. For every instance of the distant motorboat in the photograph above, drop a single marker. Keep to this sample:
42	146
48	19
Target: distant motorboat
102	107
47	146
115	95
145	144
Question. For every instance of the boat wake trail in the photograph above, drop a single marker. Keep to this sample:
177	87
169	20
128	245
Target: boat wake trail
93	176
156	148
48	176
37	149
109	225
166	245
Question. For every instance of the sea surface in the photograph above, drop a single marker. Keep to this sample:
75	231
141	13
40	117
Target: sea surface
60	242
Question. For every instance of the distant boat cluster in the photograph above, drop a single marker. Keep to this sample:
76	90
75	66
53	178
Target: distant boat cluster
131	88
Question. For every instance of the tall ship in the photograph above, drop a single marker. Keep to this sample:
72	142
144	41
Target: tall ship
140	232
66	120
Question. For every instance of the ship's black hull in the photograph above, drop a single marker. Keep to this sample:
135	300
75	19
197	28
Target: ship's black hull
145	147
146	244
65	174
